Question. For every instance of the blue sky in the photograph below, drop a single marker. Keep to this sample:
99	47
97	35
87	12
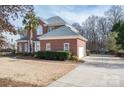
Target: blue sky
75	13
70	13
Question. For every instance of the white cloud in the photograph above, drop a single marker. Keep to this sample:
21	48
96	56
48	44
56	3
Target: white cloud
79	17
71	14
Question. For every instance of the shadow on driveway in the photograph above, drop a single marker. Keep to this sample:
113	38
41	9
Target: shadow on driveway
107	58
105	65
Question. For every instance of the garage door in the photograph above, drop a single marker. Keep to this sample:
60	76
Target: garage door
81	52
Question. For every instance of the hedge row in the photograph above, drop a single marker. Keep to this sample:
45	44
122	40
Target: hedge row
50	55
23	54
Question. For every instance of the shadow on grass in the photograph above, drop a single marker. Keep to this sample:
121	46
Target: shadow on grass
18	58
7	82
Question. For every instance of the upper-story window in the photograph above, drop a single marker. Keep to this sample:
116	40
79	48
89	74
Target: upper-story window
40	30
50	29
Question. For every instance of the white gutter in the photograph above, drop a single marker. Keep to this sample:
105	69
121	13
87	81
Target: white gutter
62	37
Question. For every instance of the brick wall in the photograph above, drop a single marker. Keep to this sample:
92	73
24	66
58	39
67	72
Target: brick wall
43	25
58	45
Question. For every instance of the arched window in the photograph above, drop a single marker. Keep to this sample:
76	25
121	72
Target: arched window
39	30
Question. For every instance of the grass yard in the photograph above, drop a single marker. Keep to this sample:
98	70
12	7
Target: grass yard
31	72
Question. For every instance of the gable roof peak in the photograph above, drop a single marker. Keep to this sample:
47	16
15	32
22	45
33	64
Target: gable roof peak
55	21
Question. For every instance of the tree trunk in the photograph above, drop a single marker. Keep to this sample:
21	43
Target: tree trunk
30	41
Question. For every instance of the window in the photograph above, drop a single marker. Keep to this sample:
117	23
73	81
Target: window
39	30
50	29
48	46
37	46
66	47
26	47
20	47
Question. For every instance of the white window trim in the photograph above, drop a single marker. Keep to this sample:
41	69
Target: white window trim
48	46
37	46
40	27
26	47
65	47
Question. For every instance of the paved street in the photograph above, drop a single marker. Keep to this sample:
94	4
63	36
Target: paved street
97	71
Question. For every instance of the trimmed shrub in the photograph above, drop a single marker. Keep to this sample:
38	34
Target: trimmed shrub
19	54
56	55
24	54
13	52
6	50
51	55
74	58
39	55
27	54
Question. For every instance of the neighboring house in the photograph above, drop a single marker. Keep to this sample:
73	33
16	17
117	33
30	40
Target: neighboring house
54	34
10	40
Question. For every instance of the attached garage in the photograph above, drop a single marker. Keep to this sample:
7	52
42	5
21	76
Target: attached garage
76	46
64	38
81	48
81	52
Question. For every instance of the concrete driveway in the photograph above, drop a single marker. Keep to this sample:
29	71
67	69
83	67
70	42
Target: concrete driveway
97	71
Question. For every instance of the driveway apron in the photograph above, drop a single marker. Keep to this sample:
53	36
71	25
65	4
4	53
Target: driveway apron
97	71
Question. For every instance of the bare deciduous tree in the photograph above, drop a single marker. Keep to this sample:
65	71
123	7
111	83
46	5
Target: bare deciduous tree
114	14
13	12
97	29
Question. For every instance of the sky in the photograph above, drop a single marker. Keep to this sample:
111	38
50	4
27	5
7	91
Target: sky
70	13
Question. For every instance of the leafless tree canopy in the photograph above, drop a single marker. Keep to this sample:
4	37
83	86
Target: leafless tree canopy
97	29
11	11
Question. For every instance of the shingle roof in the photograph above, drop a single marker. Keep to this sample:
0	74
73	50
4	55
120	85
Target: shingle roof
23	38
64	31
55	21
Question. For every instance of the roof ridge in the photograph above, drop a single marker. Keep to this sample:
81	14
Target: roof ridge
73	29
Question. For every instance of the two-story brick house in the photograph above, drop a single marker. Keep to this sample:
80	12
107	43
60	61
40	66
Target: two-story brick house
54	34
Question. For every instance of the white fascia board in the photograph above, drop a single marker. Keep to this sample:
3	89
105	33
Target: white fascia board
62	37
21	41
59	37
55	24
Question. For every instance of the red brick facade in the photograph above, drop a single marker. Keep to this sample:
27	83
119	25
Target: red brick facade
58	45
43	25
